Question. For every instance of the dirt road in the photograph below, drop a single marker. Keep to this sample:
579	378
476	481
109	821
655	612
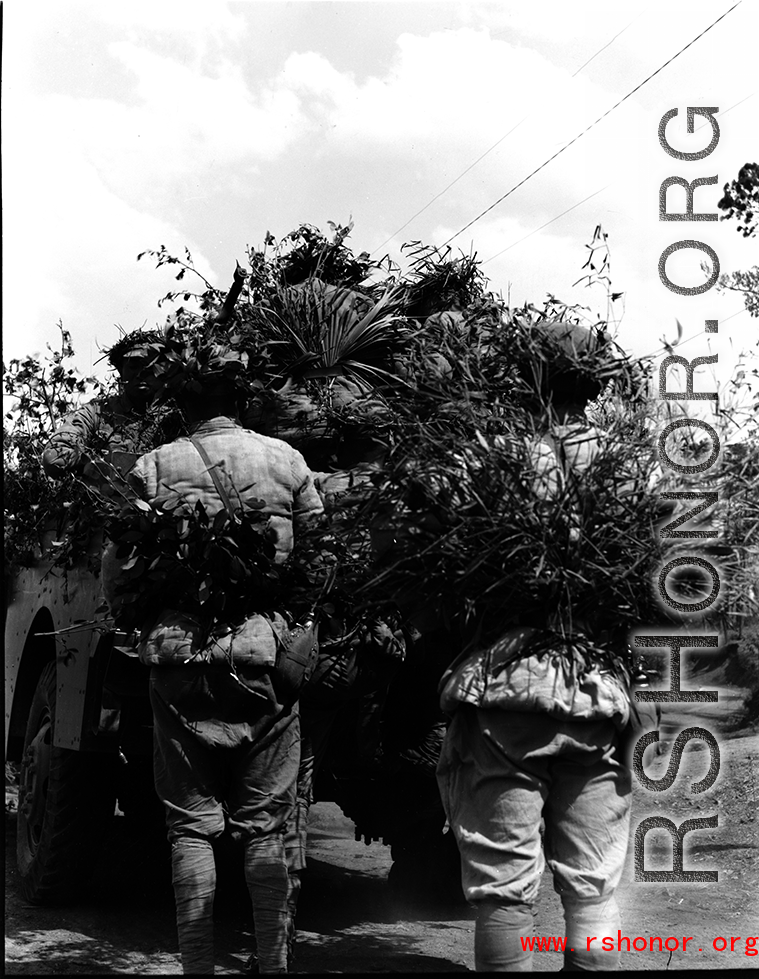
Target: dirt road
352	921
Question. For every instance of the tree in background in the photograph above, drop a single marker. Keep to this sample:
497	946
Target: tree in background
741	203
741	200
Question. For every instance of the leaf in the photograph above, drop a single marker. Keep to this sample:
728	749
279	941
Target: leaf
482	440
204	590
128	598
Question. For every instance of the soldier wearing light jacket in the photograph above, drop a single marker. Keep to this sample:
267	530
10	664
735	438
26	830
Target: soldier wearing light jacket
538	734
216	743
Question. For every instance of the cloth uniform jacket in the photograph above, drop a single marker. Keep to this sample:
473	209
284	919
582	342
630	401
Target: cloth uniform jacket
250	466
108	417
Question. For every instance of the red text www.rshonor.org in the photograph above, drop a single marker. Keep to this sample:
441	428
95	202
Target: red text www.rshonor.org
639	944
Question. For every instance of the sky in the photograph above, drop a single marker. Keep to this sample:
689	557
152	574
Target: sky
205	125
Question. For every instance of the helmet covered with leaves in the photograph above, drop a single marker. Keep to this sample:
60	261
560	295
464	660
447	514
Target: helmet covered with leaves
128	356
190	358
562	362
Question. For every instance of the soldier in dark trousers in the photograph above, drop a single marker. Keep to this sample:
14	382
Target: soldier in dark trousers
226	753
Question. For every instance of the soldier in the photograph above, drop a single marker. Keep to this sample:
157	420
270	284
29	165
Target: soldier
218	744
539	738
111	417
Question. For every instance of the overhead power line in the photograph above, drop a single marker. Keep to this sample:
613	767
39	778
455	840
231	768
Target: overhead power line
454	181
588	128
497	143
744	310
531	233
594	56
693	336
724	112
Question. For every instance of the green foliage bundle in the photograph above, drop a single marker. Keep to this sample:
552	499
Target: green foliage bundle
316	330
193	357
460	521
472	524
62	517
306	317
42	393
178	556
307	253
437	281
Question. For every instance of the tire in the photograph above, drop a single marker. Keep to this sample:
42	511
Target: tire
66	805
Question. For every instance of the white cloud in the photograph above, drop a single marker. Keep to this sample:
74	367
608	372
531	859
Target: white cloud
74	246
180	122
201	23
449	86
189	116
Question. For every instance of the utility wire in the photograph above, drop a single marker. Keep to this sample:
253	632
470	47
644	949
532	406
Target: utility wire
744	310
531	233
556	218
693	336
594	56
497	143
588	128
454	181
725	112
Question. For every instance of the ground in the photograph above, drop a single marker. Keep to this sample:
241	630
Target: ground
351	920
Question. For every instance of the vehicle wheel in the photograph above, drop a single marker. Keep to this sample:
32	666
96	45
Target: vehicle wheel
66	804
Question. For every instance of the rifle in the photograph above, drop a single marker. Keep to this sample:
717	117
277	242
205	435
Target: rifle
225	313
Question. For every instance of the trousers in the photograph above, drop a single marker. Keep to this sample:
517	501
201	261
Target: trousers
224	761
500	774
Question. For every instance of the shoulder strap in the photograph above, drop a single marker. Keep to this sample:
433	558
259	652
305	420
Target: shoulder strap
211	468
312	615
